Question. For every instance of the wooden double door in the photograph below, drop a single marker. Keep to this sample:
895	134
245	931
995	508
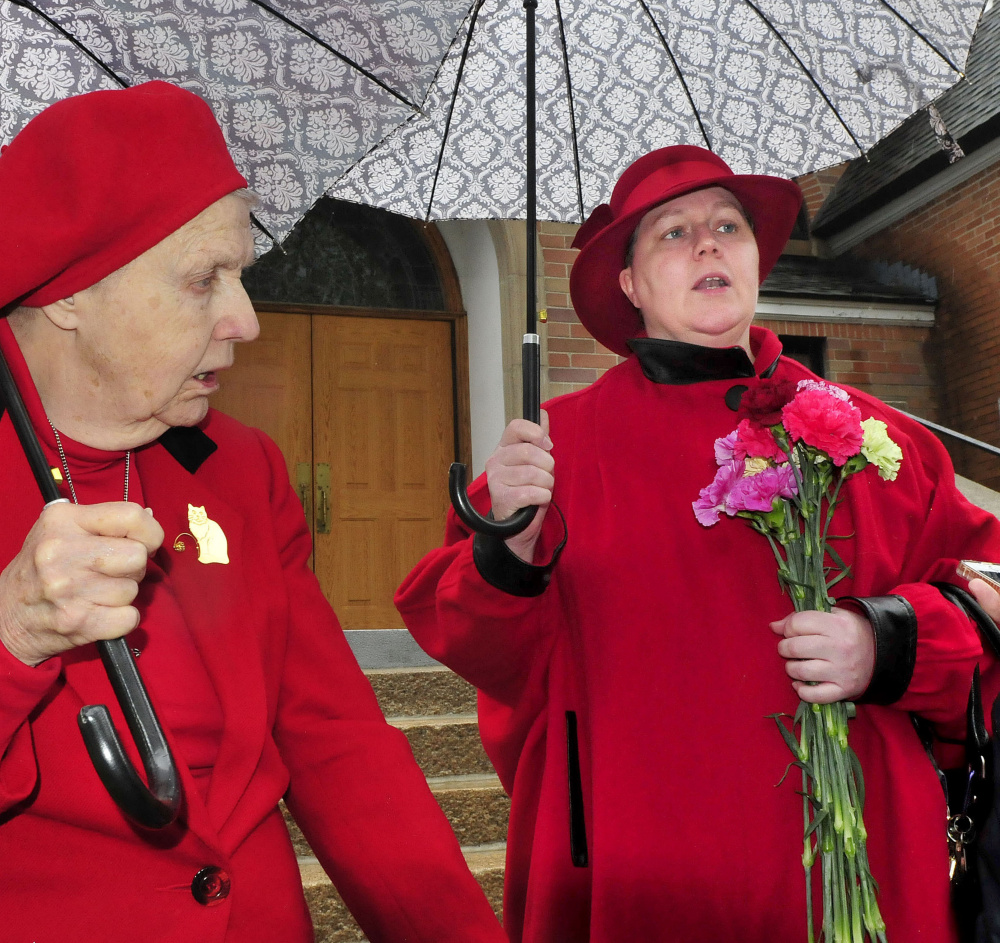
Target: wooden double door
363	411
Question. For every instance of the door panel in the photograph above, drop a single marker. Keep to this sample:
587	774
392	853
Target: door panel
382	395
372	397
270	387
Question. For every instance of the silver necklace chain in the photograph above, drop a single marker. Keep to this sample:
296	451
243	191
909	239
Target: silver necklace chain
65	465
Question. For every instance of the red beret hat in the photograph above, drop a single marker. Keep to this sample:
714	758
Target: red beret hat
772	202
95	180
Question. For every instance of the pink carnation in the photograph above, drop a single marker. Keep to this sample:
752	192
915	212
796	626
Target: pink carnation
757	442
757	492
712	500
825	422
724	448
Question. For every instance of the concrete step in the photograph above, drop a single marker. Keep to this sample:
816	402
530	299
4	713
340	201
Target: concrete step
445	744
405	692
333	922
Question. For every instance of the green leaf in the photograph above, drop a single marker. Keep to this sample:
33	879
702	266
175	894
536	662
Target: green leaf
859	778
817	821
789	739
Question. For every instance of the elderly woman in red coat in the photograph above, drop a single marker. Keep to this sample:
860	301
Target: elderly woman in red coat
124	226
628	658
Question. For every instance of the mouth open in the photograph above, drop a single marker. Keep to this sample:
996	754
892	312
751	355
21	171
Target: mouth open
208	379
713	281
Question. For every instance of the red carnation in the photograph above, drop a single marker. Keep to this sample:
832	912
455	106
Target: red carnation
762	403
757	442
825	422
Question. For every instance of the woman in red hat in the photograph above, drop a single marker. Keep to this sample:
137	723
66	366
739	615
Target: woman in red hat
628	658
124	226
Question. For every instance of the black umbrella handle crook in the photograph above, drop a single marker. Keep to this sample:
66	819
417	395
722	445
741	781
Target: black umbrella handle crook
157	805
519	520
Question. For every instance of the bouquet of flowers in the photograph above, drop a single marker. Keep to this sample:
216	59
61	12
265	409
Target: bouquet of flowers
782	470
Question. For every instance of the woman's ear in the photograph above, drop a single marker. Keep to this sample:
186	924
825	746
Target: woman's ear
63	314
625	281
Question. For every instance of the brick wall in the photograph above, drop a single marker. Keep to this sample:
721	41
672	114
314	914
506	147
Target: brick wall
575	358
884	360
816	186
956	239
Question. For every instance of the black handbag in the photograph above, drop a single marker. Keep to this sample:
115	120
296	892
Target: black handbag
973	829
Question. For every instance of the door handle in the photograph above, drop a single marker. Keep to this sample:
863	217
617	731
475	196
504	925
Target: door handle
322	498
303	488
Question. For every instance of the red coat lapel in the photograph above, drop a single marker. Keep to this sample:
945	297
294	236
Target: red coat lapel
213	599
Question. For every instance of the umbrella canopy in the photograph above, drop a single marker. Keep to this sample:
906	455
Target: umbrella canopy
302	88
772	86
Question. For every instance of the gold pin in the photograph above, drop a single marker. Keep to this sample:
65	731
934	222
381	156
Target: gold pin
212	544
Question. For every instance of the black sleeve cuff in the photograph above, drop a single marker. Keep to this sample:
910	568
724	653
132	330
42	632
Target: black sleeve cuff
508	572
895	625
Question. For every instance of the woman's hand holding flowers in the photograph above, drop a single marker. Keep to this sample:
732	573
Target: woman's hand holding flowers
830	655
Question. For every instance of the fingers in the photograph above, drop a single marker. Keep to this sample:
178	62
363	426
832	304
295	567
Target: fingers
829	656
520	472
76	578
825	693
987	597
115	519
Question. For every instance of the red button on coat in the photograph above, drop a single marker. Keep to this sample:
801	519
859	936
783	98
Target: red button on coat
210	886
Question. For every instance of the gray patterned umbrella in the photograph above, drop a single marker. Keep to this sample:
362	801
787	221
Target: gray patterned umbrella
772	86
302	88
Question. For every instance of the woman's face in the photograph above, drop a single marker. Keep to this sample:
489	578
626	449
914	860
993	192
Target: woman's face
695	270
152	337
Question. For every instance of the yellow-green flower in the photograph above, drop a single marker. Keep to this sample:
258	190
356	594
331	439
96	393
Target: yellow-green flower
880	450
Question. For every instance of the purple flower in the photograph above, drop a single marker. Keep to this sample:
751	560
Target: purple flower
724	448
712	500
757	492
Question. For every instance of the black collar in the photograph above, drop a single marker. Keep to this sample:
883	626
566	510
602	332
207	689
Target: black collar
189	445
679	364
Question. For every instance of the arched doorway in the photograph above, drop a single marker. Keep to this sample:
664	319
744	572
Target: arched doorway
357	377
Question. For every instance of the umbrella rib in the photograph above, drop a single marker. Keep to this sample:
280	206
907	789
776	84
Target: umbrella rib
343	58
76	42
677	70
451	106
917	32
805	69
444	58
572	109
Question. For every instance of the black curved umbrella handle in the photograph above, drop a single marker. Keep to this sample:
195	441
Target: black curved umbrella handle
157	805
520	519
153	808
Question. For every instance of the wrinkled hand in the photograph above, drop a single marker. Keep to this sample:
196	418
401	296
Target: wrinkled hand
987	597
835	649
519	473
75	578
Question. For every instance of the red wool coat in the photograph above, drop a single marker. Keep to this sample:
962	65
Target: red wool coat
654	632
298	719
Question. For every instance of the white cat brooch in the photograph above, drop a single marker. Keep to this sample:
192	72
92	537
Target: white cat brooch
206	533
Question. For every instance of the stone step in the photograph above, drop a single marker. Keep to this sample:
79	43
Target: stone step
332	921
445	744
405	692
475	805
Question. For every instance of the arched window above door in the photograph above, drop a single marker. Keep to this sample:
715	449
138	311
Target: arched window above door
349	255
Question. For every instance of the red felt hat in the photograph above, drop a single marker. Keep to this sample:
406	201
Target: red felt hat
772	202
95	180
